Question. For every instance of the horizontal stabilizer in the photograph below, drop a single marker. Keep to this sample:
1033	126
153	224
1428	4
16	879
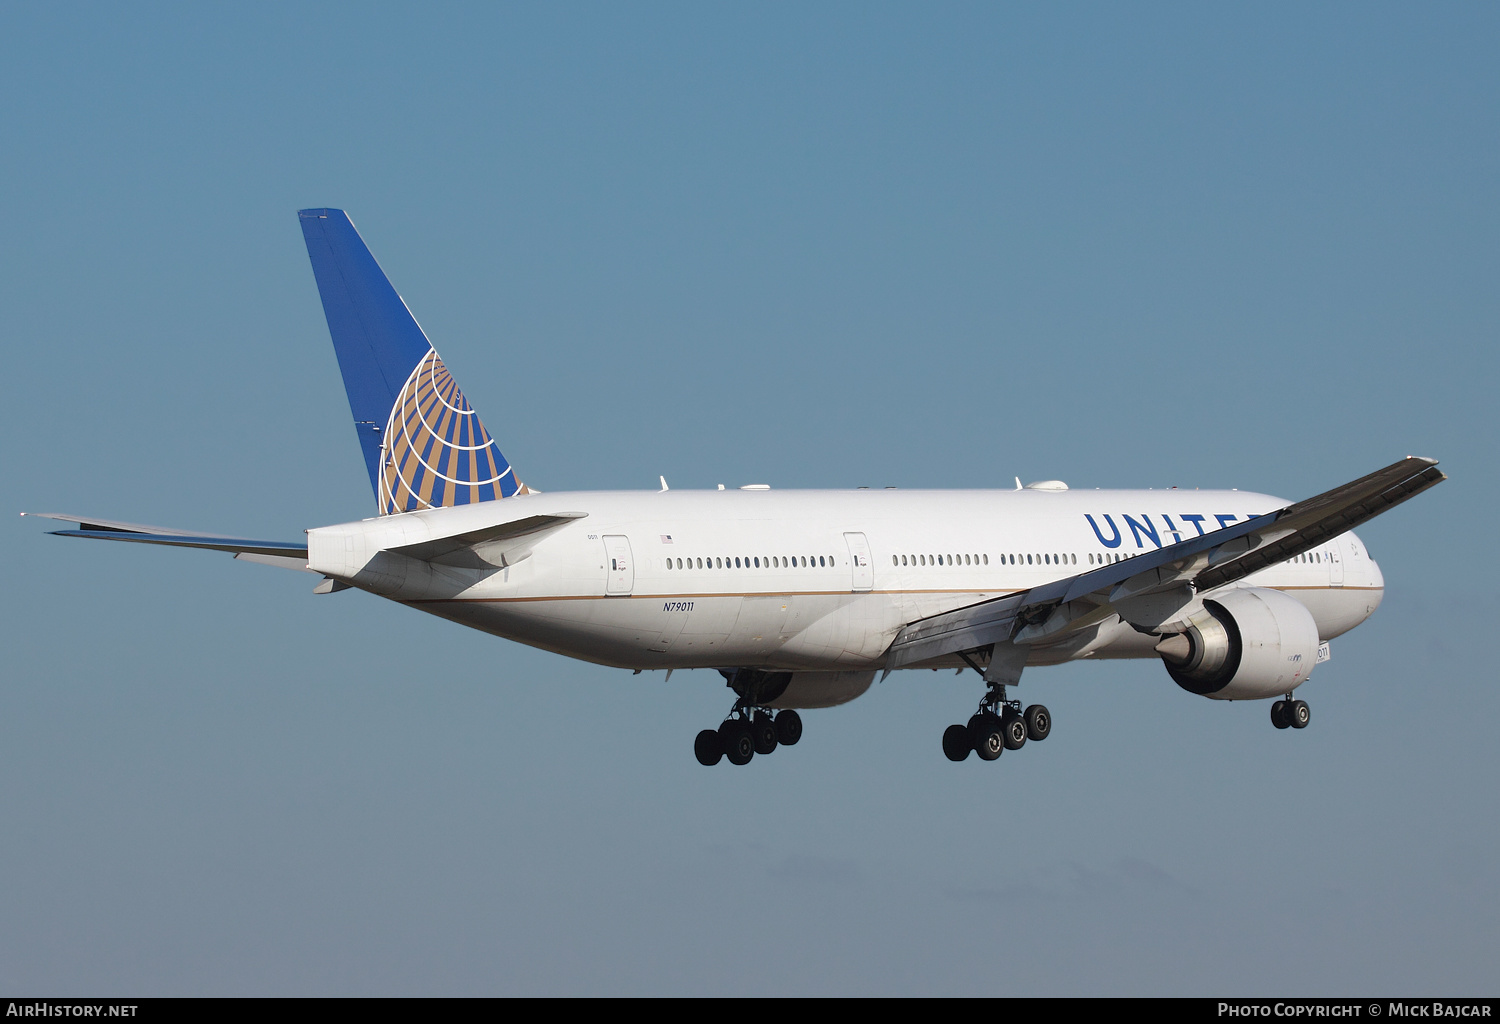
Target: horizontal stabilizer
108	529
464	548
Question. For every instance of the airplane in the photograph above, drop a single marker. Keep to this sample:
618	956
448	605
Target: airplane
799	598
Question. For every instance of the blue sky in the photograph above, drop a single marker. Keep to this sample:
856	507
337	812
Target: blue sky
830	245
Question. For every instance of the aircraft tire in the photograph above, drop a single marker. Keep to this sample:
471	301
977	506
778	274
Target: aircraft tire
1278	715
1038	722
987	735
763	731
1299	714
1014	730
739	745
788	728
956	743
708	748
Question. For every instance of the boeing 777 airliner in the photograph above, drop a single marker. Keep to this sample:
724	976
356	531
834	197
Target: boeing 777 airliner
798	598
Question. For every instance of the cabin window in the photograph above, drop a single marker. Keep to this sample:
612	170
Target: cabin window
612	564
736	563
986	559
820	559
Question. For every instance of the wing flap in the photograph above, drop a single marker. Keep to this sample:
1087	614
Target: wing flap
964	629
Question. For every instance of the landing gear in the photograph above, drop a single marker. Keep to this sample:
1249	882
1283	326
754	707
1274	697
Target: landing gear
956	743
739	744
987	734
1038	722
708	748
1014	727
745	733
1299	714
999	725
764	732
1290	714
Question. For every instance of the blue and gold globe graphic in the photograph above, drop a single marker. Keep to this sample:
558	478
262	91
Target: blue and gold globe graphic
437	453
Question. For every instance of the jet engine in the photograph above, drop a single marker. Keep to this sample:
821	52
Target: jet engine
1246	644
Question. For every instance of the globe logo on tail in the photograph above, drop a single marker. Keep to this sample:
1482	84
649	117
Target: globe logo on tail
437	452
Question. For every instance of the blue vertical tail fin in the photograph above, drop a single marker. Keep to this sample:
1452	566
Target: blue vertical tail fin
424	446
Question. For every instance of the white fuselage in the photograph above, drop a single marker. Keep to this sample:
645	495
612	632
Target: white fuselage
803	580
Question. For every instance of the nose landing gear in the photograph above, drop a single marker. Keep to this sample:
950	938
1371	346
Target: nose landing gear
1290	714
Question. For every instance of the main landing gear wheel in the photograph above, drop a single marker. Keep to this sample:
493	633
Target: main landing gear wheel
1278	715
987	734
1014	728
763	731
739	745
788	727
708	748
1038	722
956	743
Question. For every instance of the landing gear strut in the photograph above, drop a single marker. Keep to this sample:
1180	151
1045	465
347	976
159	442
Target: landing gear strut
999	725
1290	714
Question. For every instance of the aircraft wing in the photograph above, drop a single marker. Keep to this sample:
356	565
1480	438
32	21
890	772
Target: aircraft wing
1169	575
285	554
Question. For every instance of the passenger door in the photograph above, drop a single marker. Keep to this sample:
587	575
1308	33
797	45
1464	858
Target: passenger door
860	564
619	567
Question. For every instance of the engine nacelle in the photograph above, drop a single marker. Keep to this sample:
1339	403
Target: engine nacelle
1245	645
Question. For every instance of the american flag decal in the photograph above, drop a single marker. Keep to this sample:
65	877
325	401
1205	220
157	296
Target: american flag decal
666	538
